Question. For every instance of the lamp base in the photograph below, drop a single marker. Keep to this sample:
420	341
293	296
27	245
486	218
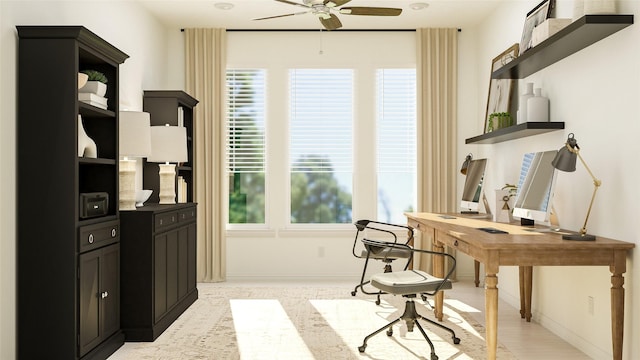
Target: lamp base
167	183
127	178
578	237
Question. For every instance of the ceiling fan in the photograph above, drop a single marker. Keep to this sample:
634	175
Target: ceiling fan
325	11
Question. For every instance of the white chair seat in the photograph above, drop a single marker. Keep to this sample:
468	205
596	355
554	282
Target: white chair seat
408	282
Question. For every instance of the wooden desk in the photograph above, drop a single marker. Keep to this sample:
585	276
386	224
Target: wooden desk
525	249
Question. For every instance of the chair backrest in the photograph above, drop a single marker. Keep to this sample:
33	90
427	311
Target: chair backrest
379	231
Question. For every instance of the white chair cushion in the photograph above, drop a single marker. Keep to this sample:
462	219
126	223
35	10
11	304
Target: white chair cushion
407	282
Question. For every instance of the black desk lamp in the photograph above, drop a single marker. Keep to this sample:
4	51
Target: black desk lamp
465	164
565	160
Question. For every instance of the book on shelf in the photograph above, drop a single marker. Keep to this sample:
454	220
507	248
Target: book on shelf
93	99
182	190
180	116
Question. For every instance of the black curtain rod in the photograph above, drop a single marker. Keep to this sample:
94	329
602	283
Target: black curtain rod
315	30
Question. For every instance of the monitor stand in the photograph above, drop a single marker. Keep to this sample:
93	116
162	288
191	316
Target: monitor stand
485	215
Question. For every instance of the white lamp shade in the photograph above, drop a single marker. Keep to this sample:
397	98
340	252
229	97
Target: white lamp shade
134	134
168	144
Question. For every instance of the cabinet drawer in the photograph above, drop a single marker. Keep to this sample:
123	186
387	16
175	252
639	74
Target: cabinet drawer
187	215
98	235
165	220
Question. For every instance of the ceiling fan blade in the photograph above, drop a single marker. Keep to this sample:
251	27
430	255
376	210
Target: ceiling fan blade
292	3
335	3
376	11
279	16
331	23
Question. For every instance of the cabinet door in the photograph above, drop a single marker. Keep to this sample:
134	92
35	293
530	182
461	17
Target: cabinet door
160	276
191	273
183	261
89	277
99	284
110	289
172	268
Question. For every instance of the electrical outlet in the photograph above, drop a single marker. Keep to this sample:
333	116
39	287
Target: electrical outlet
590	304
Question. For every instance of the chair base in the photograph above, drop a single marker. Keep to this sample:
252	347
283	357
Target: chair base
411	317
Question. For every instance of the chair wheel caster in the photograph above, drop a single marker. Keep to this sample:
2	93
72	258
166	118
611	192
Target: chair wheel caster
361	348
456	340
378	302
390	332
353	293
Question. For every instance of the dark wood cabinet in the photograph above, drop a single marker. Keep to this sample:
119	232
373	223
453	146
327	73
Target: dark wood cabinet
173	107
58	274
158	267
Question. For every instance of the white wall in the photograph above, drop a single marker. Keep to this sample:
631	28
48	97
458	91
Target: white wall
595	92
123	24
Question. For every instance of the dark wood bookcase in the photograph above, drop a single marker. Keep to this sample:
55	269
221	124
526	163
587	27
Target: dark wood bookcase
68	266
163	105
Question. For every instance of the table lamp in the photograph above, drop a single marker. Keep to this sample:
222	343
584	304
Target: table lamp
168	145
134	139
565	160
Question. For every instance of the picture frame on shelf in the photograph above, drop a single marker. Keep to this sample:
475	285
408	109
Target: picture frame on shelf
500	90
535	17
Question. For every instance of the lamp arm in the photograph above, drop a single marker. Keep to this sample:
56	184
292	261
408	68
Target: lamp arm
596	184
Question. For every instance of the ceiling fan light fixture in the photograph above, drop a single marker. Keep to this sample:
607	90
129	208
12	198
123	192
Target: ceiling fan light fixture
419	6
223	5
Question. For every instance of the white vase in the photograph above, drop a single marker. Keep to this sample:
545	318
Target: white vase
86	146
592	7
537	107
94	87
522	103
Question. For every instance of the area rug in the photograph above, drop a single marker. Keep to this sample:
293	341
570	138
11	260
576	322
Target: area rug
305	322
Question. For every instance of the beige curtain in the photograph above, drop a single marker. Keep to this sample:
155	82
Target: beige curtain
437	69
205	63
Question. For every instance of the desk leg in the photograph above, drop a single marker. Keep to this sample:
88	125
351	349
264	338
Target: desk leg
491	309
526	280
476	268
438	271
617	302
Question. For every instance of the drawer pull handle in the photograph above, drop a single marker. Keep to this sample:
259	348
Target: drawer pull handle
455	243
90	238
104	294
113	232
173	219
161	221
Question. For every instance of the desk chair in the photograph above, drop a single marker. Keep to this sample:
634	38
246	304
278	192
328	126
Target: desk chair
409	284
384	254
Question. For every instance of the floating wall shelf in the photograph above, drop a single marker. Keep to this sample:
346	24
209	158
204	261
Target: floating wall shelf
515	132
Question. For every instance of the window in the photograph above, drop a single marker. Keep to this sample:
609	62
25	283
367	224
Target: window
396	143
246	146
321	145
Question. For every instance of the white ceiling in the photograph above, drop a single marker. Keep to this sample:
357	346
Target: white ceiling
203	13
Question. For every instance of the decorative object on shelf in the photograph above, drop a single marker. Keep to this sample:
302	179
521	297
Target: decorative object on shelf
565	160
522	103
93	91
168	144
499	120
599	7
86	146
82	79
538	107
134	134
499	96
465	164
535	17
548	27
503	208
142	196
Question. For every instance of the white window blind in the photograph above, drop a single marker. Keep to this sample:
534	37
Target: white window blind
246	121
321	113
396	109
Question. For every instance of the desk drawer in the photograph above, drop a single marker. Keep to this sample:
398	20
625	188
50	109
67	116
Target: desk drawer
98	235
454	242
187	215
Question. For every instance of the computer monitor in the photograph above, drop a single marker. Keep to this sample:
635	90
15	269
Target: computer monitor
472	192
535	187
